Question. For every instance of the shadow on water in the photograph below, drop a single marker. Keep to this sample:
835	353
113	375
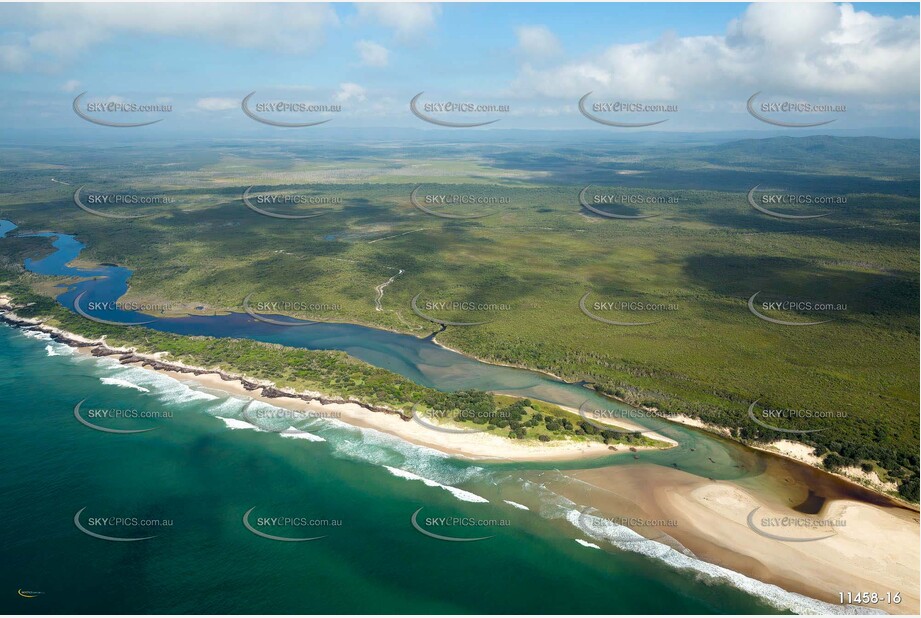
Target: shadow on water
811	505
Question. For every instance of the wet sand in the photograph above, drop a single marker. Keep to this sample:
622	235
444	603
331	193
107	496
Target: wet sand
866	547
870	546
473	446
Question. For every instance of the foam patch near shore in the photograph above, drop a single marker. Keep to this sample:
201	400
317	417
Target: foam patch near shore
372	446
460	494
168	389
235	423
584	543
35	334
123	384
421	456
298	434
626	539
383	449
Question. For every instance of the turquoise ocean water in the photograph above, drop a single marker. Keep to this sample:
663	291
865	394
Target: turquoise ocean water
186	509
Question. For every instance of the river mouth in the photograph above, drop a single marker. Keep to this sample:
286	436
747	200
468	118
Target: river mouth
700	459
218	457
429	364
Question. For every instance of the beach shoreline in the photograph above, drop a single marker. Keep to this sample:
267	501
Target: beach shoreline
710	515
870	548
523	450
473	446
788	449
868	481
800	453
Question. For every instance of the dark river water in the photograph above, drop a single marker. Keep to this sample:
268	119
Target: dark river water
187	486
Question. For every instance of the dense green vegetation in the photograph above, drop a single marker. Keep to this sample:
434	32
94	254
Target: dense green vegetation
333	374
707	253
524	419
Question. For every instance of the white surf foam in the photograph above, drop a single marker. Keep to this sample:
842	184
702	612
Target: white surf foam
102	362
166	388
516	505
626	539
36	334
362	444
191	394
230	406
382	447
268	417
235	423
299	434
123	384
587	544
460	494
55	348
377	447
466	496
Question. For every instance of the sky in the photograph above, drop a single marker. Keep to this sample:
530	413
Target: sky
696	64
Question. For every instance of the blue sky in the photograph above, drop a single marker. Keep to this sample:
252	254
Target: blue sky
538	59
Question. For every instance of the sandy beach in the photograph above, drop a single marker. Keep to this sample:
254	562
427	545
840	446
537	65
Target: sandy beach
791	449
748	526
868	548
624	423
474	446
479	446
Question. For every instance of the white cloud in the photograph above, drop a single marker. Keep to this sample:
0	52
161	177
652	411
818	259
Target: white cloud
13	58
59	32
373	54
216	104
407	20
70	85
349	91
821	49
537	42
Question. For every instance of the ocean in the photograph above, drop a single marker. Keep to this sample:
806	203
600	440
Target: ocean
200	501
189	482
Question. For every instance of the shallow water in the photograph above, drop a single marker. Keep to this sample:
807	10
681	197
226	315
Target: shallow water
214	458
205	466
420	360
